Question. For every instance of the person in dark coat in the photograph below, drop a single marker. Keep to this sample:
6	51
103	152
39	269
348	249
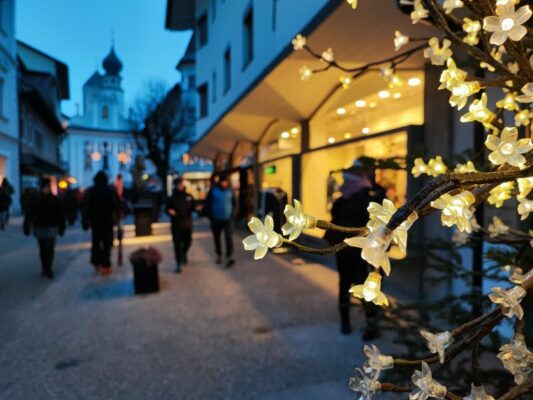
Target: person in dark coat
358	190
100	214
45	217
220	208
180	207
6	193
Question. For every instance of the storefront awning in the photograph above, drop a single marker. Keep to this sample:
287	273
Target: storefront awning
357	37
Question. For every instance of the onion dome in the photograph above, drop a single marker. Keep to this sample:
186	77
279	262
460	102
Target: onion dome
112	65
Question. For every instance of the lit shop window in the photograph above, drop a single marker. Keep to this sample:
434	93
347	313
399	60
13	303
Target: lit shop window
369	106
283	138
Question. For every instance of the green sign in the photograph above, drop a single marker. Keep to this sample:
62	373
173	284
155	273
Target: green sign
270	170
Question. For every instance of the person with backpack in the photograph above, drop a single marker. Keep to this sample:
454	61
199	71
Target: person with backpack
100	213
350	210
45	217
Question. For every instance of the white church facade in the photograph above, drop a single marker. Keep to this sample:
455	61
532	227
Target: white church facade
100	138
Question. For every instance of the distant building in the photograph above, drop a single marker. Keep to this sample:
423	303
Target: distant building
9	131
42	85
100	138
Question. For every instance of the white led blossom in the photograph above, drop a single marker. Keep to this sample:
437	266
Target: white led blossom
352	3
438	55
456	210
400	40
501	193
465	168
508	148
437	342
471	29
425	385
419	12
523	118
297	220
375	361
525	206
507	24
517	359
264	237
450	5
419	168
305	73
527	94
374	247
497	227
524	186
327	55
299	42
509	300
364	385
437	166
478	111
478	393
370	290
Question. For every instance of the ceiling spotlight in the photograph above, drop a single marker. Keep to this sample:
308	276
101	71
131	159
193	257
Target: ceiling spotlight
360	103
414	81
384	94
365	131
285	135
331	140
347	135
396	95
341	111
295	130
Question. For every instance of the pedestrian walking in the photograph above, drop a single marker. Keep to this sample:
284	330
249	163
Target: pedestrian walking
45	217
180	207
220	205
358	190
100	212
6	193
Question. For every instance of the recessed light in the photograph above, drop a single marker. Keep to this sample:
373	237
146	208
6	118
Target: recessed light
285	135
372	104
347	135
396	95
341	110
295	130
360	103
365	131
414	81
384	94
331	140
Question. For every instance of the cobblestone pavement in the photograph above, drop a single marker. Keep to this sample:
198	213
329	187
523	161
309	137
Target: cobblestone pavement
260	330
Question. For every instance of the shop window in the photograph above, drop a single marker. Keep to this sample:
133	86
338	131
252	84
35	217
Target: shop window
105	113
202	93
368	107
248	38
278	174
201	30
227	70
283	138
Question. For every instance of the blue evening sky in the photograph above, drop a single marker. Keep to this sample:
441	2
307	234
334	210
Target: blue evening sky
78	33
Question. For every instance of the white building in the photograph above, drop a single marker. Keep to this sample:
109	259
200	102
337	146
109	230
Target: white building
100	138
9	130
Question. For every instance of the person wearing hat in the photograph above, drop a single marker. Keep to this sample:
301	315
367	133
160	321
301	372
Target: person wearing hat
357	191
100	213
45	217
180	207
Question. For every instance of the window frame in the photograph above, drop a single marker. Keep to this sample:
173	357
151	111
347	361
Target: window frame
203	100
227	69
248	37
202	21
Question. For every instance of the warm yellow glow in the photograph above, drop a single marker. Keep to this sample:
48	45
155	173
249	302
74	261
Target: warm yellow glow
285	135
62	184
372	104
384	94
414	82
360	103
331	140
347	135
346	81
341	111
396	95
295	130
96	156
370	290
145	176
365	130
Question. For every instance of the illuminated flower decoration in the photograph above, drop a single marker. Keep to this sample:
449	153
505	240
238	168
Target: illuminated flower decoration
517	276
388	75
297	220
513	67
525	206
509	300
305	73
524	186
478	111
425	385
363	384
465	168
456	210
523	118
507	24
471	29
507	148
508	102
497	227
504	2
450	5
375	361
374	247
419	168
496	53
346	81
460	238
299	42
437	342
462	91
400	40
500	194
517	359
419	12
475	225
370	290
438	55
478	393
451	76
437	166
327	55
264	237
527	96
352	3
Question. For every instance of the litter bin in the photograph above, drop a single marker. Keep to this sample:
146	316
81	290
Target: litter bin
143	218
145	277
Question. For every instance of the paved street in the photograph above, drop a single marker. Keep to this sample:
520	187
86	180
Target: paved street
261	330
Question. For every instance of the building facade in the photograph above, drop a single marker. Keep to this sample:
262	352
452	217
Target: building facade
9	131
100	138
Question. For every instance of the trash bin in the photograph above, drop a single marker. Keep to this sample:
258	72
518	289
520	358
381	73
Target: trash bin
145	277
143	218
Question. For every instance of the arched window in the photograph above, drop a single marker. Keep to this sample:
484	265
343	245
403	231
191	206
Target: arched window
105	113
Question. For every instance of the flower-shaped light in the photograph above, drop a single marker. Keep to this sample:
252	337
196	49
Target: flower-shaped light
462	91
452	76
297	220
497	227
517	359
450	5
478	393
456	210
509	300
374	247
460	238
363	384
400	40
527	96
508	102
371	290
507	148
465	168
478	111
419	12
438	55
346	81
425	385
264	237
507	24
437	166
524	186
305	73
375	361
352	3
500	193
299	42
523	118
327	55
419	168
525	206
471	29
437	342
